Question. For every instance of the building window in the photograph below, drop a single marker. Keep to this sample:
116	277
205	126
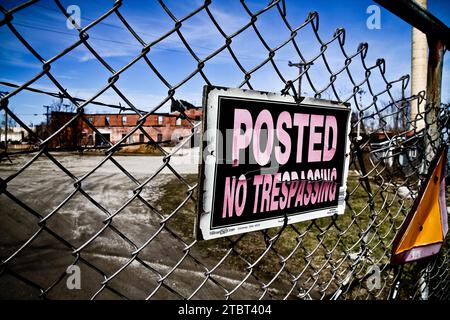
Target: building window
141	138
91	120
178	123
160	120
107	121
159	137
124	120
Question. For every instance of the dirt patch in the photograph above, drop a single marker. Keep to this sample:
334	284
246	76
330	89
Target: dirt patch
144	148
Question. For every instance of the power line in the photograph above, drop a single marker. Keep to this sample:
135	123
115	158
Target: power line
90	37
37	27
59	95
121	27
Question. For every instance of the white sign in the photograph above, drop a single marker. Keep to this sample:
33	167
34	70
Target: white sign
268	160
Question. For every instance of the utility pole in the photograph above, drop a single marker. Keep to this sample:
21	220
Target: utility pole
6	131
300	66
2	94
419	65
47	114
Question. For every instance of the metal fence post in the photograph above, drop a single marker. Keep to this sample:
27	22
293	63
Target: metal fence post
434	80
432	137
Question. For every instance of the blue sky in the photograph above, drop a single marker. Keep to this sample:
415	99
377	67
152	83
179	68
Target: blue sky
44	27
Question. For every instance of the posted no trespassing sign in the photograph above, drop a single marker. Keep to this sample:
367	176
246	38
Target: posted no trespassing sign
266	158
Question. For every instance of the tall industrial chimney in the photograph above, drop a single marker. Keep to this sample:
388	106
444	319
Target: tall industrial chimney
419	63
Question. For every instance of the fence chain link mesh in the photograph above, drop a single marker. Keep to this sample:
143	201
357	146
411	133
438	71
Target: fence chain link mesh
143	248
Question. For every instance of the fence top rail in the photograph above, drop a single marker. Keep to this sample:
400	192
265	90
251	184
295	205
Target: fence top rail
418	17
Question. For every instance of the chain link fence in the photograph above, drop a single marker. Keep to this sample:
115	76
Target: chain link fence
130	232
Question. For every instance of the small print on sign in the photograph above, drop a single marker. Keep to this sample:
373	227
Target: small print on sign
266	158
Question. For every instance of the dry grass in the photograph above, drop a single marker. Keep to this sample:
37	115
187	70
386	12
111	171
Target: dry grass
321	249
140	149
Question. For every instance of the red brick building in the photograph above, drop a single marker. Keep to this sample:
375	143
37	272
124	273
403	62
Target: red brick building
114	127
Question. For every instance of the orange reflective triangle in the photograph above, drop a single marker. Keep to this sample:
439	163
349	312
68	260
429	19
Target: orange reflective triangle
424	226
